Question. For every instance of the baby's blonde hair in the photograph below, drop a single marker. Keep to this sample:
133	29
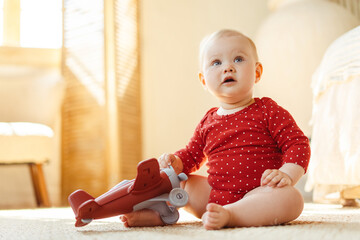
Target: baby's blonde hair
218	34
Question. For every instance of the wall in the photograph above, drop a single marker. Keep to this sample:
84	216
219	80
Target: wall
299	32
171	30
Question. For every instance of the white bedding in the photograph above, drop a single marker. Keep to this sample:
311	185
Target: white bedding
335	139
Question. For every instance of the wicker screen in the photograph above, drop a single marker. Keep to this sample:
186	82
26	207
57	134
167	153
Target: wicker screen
101	114
128	85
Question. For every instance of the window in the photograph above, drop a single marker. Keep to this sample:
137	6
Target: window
41	23
31	23
1	21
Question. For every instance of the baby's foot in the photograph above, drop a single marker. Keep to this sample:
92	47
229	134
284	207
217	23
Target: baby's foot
142	218
215	217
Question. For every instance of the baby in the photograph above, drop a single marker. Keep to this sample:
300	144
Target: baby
254	150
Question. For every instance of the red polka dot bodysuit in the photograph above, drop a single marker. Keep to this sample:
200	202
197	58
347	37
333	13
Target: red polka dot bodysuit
239	147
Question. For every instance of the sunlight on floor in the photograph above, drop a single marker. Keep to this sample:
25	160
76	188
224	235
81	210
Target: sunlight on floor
317	222
53	214
328	209
49	213
67	213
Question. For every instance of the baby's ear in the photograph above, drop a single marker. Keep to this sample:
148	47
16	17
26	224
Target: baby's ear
258	71
202	80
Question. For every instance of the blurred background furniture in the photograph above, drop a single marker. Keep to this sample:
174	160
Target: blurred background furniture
335	163
291	42
29	108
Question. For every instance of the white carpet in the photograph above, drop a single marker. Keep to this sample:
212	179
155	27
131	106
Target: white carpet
316	222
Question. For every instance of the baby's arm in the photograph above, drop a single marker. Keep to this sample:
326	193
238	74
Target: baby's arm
167	159
288	174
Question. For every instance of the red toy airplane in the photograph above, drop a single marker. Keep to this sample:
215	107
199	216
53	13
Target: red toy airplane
152	188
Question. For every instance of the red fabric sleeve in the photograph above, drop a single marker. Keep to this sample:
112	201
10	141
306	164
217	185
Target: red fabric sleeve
289	137
192	155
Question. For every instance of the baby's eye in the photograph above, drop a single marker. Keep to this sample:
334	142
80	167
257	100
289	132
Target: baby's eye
215	63
239	59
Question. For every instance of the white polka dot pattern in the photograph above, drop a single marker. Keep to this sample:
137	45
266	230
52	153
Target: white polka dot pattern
239	147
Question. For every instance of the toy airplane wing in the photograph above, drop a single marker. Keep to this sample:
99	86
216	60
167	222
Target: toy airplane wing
148	174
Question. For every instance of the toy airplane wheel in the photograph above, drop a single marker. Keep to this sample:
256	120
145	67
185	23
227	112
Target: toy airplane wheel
171	218
178	197
86	221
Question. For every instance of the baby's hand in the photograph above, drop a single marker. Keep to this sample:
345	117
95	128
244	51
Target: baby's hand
275	178
167	159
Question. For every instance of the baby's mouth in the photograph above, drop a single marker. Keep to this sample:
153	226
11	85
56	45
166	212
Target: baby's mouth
229	80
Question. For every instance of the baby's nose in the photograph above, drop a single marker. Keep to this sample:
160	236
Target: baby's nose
229	68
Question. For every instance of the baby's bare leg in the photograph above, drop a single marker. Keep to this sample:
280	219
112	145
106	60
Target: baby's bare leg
142	218
198	190
260	207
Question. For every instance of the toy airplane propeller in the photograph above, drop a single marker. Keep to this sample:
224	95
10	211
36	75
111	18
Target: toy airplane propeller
152	189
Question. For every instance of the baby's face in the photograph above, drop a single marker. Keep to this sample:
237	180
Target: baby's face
229	69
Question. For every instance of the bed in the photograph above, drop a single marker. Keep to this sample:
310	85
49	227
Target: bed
335	140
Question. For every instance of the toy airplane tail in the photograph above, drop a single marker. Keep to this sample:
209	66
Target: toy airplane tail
82	204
